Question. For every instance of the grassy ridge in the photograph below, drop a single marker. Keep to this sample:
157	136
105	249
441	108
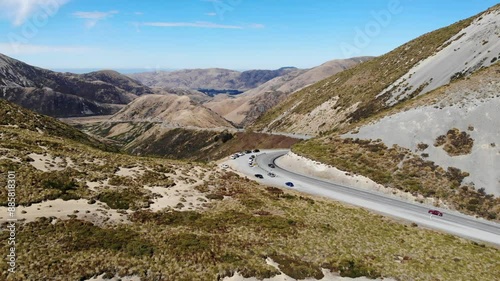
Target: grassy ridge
363	82
14	115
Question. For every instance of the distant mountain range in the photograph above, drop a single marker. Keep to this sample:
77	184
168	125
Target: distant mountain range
105	92
212	78
66	94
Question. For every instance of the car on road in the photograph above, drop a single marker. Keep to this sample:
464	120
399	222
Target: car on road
234	156
240	153
259	176
252	157
290	184
224	166
256	150
435	212
271	165
272	175
248	151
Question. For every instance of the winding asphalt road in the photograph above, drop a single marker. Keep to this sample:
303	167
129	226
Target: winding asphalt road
451	222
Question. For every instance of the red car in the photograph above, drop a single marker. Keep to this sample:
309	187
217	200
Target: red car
435	212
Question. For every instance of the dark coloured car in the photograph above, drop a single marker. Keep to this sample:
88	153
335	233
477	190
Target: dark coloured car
272	175
290	184
271	166
248	151
259	176
256	150
435	212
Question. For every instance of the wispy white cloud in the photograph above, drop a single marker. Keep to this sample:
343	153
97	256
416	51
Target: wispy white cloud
27	49
211	14
19	11
92	18
199	24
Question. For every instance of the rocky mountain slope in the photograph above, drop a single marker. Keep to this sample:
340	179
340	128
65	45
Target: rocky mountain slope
140	218
411	70
66	94
213	78
247	107
454	126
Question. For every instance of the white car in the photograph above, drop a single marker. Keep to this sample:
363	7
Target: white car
224	166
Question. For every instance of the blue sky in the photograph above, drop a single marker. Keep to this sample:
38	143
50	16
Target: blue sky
236	34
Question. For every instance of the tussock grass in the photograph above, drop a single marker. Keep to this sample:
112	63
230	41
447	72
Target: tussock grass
301	233
90	164
399	168
455	142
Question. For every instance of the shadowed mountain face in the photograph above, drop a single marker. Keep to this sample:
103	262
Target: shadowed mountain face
213	78
66	94
24	119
